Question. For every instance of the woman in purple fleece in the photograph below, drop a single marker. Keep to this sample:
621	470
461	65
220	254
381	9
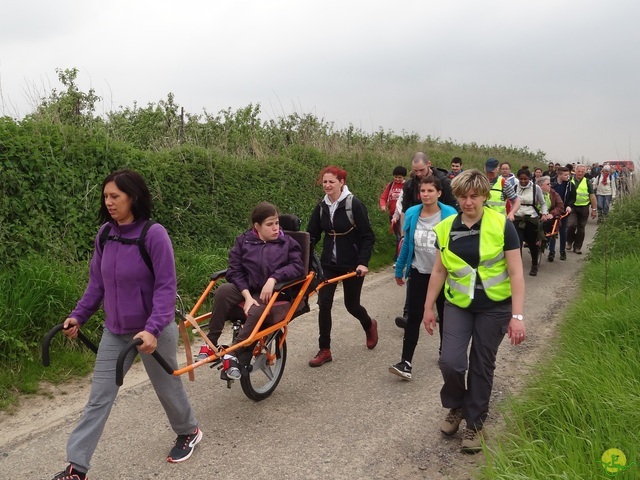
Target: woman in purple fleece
139	302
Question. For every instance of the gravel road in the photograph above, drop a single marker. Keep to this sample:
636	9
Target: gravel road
347	419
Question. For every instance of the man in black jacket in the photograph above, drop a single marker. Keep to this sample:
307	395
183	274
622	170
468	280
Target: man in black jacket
421	167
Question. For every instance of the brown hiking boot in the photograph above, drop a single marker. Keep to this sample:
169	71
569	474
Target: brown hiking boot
471	441
451	423
323	356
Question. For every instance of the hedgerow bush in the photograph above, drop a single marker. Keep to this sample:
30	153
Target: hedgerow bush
205	172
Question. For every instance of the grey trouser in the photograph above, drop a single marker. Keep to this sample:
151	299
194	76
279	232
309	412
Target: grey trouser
169	389
485	330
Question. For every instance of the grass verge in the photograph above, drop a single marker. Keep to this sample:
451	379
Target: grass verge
584	401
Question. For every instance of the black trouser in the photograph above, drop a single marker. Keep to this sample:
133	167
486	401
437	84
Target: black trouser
417	294
578	219
352	289
528	232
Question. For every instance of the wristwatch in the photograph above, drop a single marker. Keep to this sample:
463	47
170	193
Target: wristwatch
518	317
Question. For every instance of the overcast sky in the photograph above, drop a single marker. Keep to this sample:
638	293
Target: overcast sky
561	76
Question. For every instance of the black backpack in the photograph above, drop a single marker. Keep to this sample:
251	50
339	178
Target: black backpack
104	237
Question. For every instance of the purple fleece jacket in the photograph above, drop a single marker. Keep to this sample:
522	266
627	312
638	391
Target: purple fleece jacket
132	298
253	261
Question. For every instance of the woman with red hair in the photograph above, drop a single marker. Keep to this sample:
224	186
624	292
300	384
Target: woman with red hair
347	246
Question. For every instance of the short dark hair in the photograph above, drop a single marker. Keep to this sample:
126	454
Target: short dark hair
433	180
400	170
263	211
524	171
132	184
456	160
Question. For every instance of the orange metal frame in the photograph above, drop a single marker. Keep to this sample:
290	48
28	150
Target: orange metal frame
556	222
258	334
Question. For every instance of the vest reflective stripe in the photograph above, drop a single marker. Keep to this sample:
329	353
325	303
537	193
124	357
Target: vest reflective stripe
492	269
495	200
582	193
547	200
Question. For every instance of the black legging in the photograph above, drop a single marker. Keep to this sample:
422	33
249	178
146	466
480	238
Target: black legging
417	294
352	289
528	234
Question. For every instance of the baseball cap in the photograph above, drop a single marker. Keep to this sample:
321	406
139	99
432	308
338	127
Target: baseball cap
491	165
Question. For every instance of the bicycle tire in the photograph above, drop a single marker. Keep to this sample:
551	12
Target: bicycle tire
266	368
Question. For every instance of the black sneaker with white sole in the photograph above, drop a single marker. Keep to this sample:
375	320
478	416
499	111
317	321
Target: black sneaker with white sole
184	446
402	369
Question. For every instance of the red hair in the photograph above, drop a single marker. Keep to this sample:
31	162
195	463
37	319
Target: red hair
332	169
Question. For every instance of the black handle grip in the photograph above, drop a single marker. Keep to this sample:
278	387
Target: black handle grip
46	343
125	351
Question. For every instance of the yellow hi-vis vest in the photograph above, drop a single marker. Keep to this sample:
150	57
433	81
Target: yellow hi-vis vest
495	200
492	270
582	193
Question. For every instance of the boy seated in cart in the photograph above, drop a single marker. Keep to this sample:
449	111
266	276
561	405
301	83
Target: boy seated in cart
261	257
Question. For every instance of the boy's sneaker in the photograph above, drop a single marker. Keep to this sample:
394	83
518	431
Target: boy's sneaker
563	255
230	368
204	353
551	256
451	423
184	446
402	369
471	441
70	473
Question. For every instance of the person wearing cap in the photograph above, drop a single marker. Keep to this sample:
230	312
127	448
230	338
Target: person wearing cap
604	187
501	190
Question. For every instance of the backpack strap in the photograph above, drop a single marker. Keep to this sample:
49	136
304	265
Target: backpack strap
348	206
104	237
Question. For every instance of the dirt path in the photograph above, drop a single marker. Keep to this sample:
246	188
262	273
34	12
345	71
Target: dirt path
348	419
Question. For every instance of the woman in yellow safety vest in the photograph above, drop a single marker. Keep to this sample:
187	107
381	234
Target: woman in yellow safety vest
479	265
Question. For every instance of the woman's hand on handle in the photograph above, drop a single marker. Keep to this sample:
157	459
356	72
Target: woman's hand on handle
71	327
149	342
362	270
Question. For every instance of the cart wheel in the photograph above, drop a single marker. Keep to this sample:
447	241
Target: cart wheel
266	367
